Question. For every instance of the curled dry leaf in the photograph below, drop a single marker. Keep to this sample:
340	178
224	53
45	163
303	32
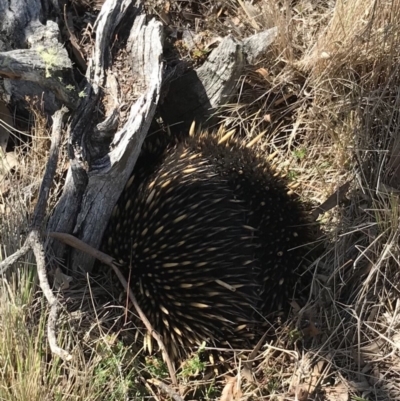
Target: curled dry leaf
337	393
11	161
61	280
302	392
310	330
325	55
165	13
231	391
296	307
263	72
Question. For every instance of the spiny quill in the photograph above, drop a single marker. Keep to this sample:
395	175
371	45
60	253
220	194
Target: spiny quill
210	239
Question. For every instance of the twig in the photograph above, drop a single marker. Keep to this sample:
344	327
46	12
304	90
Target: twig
332	201
108	260
51	166
147	385
248	13
247	367
34	240
6	263
74	42
36	244
166	389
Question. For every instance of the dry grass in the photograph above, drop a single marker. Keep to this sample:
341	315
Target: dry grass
102	368
326	99
336	69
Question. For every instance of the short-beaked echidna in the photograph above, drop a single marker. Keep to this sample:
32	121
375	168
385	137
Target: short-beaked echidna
209	239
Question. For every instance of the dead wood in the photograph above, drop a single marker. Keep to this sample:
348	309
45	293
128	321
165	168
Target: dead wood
197	94
95	181
49	67
33	60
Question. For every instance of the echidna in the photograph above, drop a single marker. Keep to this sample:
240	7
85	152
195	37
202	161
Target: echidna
209	239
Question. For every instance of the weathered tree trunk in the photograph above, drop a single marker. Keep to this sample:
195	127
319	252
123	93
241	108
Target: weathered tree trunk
95	181
103	153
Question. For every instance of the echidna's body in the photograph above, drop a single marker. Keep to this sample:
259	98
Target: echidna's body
208	233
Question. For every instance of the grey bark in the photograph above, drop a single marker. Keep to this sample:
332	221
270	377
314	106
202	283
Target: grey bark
33	62
197	94
94	185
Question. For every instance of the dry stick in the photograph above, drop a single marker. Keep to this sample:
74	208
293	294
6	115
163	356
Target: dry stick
34	236
147	385
332	201
6	263
51	166
108	260
34	241
166	389
250	17
247	368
